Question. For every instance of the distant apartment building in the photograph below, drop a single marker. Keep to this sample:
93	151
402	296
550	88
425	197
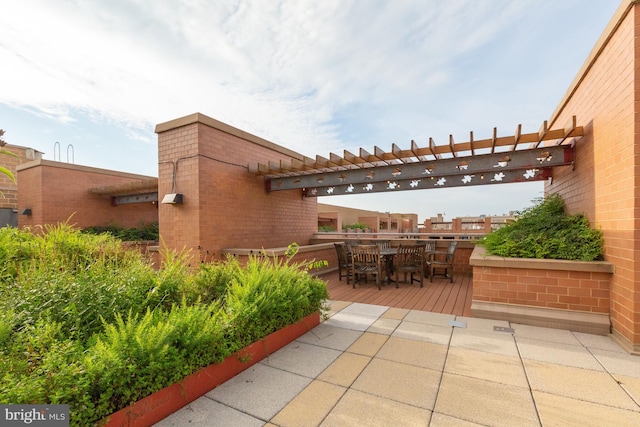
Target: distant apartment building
337	218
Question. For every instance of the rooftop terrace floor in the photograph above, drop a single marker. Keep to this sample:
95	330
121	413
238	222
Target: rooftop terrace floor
439	296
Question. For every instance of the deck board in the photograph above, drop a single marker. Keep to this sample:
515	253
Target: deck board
439	296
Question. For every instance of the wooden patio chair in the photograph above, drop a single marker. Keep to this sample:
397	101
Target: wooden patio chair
384	244
429	248
366	260
410	260
344	261
443	261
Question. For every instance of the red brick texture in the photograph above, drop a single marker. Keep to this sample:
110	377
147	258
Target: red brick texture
225	206
9	189
56	192
567	290
605	183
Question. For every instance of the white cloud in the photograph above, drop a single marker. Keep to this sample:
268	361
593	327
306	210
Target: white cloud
314	76
281	68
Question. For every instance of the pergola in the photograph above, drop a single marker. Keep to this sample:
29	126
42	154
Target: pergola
496	160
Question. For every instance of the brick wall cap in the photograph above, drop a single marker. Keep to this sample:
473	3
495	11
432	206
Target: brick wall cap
615	21
216	124
479	258
61	165
276	251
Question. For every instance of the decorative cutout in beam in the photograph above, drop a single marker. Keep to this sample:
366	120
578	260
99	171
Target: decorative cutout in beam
519	152
501	177
487	163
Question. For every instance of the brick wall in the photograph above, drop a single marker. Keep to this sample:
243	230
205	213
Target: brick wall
56	191
9	188
604	183
225	206
567	290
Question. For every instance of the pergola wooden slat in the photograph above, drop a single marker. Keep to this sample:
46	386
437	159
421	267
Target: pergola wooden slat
519	157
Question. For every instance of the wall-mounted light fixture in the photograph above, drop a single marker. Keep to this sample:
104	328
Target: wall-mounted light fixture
26	211
173	199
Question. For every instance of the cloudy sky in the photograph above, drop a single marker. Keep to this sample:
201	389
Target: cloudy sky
313	76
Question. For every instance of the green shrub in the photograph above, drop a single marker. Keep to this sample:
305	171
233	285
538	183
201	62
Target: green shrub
267	295
67	277
546	231
358	225
133	234
212	280
86	323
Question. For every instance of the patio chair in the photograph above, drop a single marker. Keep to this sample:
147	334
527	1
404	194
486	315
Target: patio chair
410	260
351	243
443	260
429	248
344	261
384	244
366	260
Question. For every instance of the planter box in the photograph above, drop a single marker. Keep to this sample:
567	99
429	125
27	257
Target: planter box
559	294
163	403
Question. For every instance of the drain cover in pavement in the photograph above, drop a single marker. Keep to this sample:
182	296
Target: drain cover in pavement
457	324
503	329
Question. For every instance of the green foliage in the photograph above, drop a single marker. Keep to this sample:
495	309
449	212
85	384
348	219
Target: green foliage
87	323
135	234
267	295
4	170
358	225
326	228
211	281
66	277
546	231
139	355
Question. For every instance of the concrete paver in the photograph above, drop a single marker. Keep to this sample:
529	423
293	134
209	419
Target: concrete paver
384	326
302	359
490	342
486	402
260	391
563	411
408	384
559	336
379	366
357	406
368	344
582	384
486	366
424	332
415	353
311	406
332	337
561	354
345	370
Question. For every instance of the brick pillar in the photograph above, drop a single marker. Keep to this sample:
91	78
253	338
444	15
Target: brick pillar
225	206
487	225
456	225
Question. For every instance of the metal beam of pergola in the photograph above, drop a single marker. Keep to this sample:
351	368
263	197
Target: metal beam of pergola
496	160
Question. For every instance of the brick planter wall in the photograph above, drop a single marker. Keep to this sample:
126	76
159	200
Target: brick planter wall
552	293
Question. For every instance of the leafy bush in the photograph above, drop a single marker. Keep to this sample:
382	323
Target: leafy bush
67	277
134	234
86	323
358	225
546	231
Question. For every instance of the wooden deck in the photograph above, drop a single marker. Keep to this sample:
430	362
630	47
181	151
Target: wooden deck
441	296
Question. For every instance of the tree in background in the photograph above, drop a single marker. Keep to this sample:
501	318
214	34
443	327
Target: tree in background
4	170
